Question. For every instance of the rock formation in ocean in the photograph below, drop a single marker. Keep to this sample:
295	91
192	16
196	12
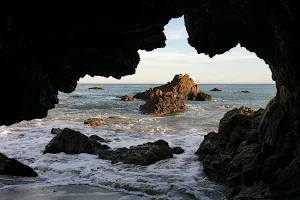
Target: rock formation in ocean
73	142
144	154
182	86
12	167
48	52
128	98
216	90
96	88
162	103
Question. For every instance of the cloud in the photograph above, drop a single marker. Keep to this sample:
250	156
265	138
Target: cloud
176	34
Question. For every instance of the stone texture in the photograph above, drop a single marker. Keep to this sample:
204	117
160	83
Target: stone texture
128	98
12	167
144	154
182	86
201	96
73	142
162	104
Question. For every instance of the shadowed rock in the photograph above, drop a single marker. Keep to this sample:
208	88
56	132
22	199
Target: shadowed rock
216	90
245	91
12	167
177	150
98	139
227	156
56	131
96	88
144	154
73	142
201	96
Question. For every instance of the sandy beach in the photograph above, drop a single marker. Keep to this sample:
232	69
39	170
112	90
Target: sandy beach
68	192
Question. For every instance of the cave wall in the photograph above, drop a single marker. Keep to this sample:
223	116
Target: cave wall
47	52
268	29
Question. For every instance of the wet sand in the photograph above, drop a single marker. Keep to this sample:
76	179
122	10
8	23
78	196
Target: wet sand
68	192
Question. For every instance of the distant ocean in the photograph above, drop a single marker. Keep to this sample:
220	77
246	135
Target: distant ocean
181	177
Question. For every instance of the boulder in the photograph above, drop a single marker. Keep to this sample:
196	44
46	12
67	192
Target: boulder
216	90
245	91
201	96
94	122
182	86
128	98
177	150
73	142
96	88
12	167
56	131
144	154
162	104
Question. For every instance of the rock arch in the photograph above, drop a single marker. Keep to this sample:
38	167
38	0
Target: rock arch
45	53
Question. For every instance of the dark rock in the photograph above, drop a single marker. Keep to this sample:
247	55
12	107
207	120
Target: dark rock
94	122
182	86
56	131
201	96
177	150
128	98
96	88
246	91
73	142
12	167
144	154
98	139
216	90
162	104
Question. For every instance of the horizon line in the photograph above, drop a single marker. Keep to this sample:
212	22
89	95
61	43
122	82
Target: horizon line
196	83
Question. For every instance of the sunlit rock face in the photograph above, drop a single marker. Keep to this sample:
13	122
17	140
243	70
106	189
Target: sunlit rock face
45	53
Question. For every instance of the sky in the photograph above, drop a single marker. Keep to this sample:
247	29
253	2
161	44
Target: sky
236	66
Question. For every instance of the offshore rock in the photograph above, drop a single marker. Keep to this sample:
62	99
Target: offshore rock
216	90
73	142
12	167
161	103
94	122
96	88
144	154
128	98
201	96
182	86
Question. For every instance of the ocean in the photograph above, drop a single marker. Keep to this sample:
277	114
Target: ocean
178	178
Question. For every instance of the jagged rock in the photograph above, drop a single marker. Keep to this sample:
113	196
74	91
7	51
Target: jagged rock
144	154
162	104
182	86
56	131
227	156
12	167
96	88
98	139
245	91
128	98
73	142
201	96
94	122
216	90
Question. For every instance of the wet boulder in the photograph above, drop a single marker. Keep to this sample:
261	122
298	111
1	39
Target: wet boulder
73	142
12	167
127	98
144	154
201	96
98	139
55	131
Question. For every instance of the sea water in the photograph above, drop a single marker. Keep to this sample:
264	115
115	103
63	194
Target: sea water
180	177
